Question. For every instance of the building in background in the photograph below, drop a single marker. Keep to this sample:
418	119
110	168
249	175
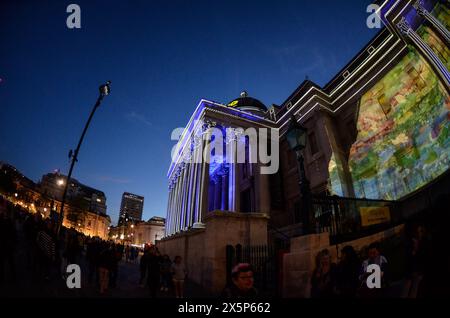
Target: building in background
139	233
131	208
85	207
78	194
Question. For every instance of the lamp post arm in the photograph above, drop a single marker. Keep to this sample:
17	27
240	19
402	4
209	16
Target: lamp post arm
74	159
306	196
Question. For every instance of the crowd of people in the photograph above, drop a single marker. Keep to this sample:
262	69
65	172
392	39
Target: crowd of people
348	278
161	273
422	272
47	255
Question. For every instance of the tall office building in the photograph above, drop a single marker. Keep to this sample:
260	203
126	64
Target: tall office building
131	208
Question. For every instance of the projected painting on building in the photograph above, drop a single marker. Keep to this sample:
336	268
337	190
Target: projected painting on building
403	133
442	13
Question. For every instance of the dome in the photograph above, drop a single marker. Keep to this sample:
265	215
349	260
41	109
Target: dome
247	103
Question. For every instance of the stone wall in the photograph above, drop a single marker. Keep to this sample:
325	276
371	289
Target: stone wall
204	250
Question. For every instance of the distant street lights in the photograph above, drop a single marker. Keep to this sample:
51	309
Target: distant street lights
296	138
104	90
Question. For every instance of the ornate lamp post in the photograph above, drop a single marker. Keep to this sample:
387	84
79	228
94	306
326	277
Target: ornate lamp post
296	137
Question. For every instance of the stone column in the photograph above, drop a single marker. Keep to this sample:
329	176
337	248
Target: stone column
231	160
182	193
217	192
172	204
233	135
169	212
172	209
194	187
202	183
204	179
185	207
236	181
177	203
195	180
340	157
190	194
224	205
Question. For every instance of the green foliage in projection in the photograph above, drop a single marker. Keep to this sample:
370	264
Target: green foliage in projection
442	13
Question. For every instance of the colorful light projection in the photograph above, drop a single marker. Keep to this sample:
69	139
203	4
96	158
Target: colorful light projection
442	13
403	133
436	44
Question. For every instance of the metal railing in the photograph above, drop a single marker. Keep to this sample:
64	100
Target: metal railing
350	218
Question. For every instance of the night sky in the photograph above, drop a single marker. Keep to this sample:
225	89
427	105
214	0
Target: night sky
162	58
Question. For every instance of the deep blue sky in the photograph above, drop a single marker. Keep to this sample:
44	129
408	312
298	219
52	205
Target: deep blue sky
162	58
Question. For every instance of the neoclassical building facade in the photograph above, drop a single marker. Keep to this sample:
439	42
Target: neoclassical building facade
378	129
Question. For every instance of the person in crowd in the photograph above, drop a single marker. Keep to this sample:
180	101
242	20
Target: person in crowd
166	275
143	265
179	273
92	257
242	285
374	257
30	229
47	248
417	255
348	271
324	278
7	245
153	271
436	278
127	254
104	266
116	257
73	248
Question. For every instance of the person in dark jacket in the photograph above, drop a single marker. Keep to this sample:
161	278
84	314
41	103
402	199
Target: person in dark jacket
46	245
348	273
166	275
143	265
7	245
105	264
153	271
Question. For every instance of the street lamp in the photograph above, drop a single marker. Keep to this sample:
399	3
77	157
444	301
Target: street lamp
296	138
104	90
